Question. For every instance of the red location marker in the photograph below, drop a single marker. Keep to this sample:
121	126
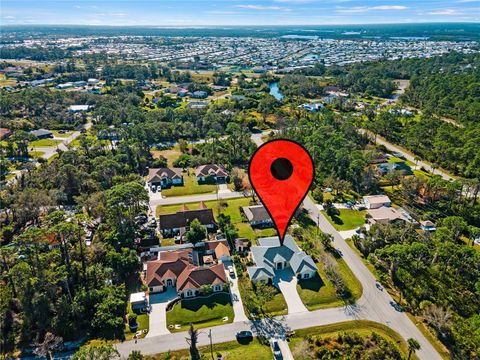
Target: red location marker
281	172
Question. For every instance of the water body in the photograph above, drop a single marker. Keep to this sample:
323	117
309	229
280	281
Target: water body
275	91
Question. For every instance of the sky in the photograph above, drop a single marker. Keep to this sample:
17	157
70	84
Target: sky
235	12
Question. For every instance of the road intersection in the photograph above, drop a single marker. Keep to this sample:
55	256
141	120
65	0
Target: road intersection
374	305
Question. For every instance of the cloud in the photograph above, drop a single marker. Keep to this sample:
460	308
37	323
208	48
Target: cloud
262	7
118	14
388	7
77	7
9	17
445	12
362	9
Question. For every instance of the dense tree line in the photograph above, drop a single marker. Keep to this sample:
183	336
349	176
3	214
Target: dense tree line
300	85
436	276
34	53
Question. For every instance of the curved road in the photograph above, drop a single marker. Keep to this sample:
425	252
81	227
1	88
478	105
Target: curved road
374	305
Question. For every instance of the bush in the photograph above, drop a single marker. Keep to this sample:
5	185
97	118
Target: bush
132	319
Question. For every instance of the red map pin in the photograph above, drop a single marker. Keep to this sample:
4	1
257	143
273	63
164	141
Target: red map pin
281	172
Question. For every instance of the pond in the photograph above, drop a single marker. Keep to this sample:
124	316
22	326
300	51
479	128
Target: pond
275	91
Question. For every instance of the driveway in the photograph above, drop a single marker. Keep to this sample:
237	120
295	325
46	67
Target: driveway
158	315
223	189
285	349
287	283
236	298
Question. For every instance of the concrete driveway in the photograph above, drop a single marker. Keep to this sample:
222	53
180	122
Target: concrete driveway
287	283
158	315
236	298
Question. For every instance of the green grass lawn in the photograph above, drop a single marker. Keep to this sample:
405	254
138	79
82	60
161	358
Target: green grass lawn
319	293
347	220
35	154
361	327
190	187
143	324
202	312
231	350
276	306
393	159
64	135
232	209
44	143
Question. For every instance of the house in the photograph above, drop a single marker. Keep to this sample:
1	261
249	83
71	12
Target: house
238	97
176	269
138	301
257	216
269	256
211	173
80	83
92	81
376	201
200	94
218	250
42	134
79	108
427	225
67	85
5	133
165	177
312	108
196	104
179	223
242	244
385	215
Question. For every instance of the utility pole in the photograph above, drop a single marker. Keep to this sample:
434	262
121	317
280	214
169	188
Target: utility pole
211	344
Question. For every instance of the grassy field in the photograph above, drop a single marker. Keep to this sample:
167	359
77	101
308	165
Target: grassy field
202	312
319	293
170	154
231	350
35	154
361	327
347	220
44	143
190	187
393	159
246	231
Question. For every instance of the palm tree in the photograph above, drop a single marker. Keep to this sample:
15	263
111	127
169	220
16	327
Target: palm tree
413	346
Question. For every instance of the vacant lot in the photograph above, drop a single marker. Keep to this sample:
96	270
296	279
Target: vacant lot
44	143
347	219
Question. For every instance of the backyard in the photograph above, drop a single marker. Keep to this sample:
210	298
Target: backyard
347	219
201	311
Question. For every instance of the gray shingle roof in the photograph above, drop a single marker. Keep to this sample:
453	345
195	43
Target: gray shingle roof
269	251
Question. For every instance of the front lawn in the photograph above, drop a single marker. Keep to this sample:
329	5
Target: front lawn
202	312
231	350
143	324
347	219
66	134
190	187
275	306
44	143
319	293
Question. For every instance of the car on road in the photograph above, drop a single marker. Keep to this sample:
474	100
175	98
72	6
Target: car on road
396	306
277	353
379	286
244	335
231	272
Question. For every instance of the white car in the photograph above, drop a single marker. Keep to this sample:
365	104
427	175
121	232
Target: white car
231	271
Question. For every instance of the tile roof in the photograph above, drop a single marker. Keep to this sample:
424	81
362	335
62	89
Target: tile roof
197	276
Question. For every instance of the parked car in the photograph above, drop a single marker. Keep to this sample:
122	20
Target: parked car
244	335
277	353
379	286
231	271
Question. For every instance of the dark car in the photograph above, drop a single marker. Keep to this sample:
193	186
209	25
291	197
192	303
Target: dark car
244	336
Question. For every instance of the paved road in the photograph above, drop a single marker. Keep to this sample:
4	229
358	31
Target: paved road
51	151
155	201
374	305
409	157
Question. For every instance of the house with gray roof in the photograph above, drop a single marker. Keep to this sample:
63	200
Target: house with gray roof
269	256
257	216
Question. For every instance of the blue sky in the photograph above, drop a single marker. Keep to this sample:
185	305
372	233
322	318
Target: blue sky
236	12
